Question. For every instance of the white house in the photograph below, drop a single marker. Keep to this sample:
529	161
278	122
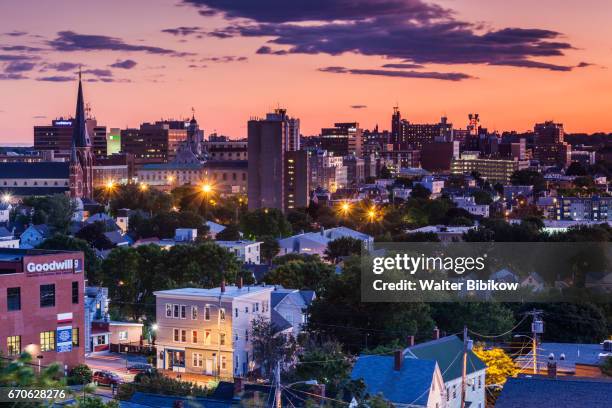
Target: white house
214	229
445	233
468	203
291	305
5	211
533	281
315	243
207	331
33	236
247	251
7	239
433	185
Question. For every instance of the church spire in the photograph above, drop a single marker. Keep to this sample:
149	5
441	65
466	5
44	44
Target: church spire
80	136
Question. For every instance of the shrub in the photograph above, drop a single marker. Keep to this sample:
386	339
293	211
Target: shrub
80	374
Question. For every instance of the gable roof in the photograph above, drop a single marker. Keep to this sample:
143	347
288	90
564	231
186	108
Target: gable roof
447	352
410	385
45	170
5	233
279	322
555	393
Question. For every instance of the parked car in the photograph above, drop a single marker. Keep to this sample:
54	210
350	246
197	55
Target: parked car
139	368
106	378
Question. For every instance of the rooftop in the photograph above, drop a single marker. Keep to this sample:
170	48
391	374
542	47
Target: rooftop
14	254
230	292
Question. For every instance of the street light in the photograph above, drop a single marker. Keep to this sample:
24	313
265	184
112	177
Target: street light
143	187
372	214
345	208
206	188
6	198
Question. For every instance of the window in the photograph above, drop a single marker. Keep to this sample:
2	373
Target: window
176	311
207	313
222	314
13	299
454	391
176	335
47	341
75	336
75	293
207	337
194	336
257	307
198	360
222	339
223	362
236	312
123	335
183	336
194	313
13	345
246	309
246	335
183	312
447	393
168	310
47	295
479	381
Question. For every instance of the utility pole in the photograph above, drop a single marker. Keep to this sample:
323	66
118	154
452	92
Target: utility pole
277	386
464	371
537	327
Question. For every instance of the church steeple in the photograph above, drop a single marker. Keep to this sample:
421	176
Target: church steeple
80	136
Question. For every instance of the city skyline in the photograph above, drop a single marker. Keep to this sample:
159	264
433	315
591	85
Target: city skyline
230	62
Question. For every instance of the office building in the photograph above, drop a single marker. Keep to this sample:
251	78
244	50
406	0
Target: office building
277	176
42	311
438	156
343	139
208	331
327	171
115	168
405	134
226	150
57	137
550	148
155	142
494	170
593	208
113	141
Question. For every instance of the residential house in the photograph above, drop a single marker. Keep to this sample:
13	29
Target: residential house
247	251
445	233
214	229
33	236
601	282
5	211
448	353
434	185
533	281
405	382
468	203
7	239
291	306
207	331
315	243
565	392
504	275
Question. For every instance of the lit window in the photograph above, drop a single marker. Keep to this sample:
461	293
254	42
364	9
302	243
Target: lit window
13	345
194	336
47	341
75	336
222	314
222	339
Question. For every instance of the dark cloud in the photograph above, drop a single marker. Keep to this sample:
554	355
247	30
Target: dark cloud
125	64
16	33
403	66
359	106
62	66
264	49
11	76
19	48
56	78
13	57
18	66
196	66
184	31
225	58
99	72
71	41
410	30
584	65
39	117
533	64
445	76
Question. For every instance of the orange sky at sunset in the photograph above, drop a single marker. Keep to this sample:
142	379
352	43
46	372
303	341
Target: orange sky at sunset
227	82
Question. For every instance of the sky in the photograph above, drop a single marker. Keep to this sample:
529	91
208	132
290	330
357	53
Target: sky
514	62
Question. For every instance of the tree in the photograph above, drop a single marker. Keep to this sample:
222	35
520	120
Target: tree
68	243
385	173
150	200
606	366
94	234
342	247
499	318
56	211
263	222
326	363
419	191
499	364
270	347
80	374
299	274
300	221
269	248
230	233
528	178
20	373
576	169
481	197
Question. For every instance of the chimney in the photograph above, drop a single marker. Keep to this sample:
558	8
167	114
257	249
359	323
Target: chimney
436	333
223	286
238	386
410	341
240	282
322	231
551	369
399	356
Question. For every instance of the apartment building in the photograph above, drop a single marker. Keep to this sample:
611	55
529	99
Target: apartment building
207	331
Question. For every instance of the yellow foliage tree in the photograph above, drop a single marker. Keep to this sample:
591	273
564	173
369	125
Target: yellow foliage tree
499	365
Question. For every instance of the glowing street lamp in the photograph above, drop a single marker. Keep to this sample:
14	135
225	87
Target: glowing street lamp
110	184
345	208
206	188
372	214
143	187
6	198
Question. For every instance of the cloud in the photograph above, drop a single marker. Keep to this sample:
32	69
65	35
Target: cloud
56	78
16	33
584	65
13	57
18	66
225	58
39	117
359	106
411	30
445	76
403	66
184	31
125	64
11	76
71	41
62	66
264	49
196	66
19	48
99	72
533	64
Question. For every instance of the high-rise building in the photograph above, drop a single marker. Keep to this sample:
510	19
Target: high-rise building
57	137
406	135
113	141
269	184
343	139
550	148
155	142
494	170
296	187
